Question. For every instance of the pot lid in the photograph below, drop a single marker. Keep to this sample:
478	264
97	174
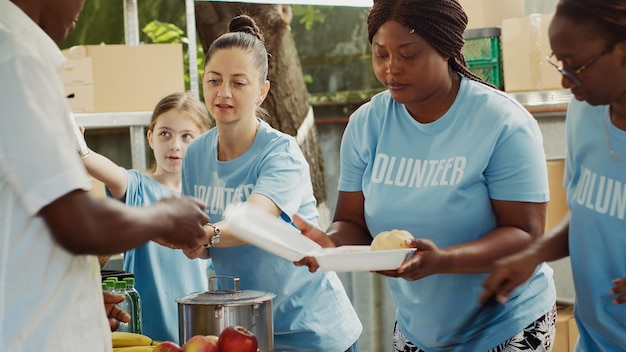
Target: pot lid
226	297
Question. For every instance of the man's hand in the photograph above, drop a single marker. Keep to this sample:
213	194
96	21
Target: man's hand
187	218
114	313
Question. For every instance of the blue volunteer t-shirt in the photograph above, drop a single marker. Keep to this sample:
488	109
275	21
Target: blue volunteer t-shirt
437	180
161	274
596	196
311	310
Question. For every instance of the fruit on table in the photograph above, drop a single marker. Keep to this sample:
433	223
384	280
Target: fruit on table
167	346
212	338
237	339
200	343
394	239
130	339
134	349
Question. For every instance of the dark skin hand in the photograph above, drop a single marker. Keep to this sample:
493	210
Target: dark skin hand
114	313
512	271
427	257
619	290
316	235
348	227
519	223
84	224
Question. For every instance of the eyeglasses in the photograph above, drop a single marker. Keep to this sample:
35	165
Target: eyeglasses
572	75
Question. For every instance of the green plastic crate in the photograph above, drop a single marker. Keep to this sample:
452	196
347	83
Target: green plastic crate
488	71
482	44
483	54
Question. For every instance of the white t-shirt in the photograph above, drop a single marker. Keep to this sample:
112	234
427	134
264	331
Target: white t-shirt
50	298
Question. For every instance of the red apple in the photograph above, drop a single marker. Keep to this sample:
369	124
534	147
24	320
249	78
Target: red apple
167	346
200	343
237	339
213	338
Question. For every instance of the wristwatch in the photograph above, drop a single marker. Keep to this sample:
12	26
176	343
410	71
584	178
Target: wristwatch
215	239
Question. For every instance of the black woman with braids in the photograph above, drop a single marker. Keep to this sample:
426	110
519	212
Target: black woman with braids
461	166
588	40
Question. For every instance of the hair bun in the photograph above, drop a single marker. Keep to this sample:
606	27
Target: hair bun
245	24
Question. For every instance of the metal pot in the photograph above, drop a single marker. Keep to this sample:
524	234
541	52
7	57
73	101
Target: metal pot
209	312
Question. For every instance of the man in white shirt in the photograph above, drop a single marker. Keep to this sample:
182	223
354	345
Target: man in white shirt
50	227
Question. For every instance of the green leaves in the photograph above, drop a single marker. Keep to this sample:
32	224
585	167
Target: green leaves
309	15
162	32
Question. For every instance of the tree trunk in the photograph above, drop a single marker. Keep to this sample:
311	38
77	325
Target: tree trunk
287	101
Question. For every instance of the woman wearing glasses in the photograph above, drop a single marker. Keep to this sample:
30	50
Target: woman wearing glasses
588	38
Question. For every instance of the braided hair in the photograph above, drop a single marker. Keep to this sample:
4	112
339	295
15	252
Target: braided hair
606	18
440	22
244	34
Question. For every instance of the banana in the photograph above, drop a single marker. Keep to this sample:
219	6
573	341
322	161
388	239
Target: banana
134	349
128	339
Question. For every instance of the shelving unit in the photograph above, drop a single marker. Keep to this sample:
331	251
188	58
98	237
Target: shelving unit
134	121
544	103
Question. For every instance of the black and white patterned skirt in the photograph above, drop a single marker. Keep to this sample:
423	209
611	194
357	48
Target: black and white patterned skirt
538	336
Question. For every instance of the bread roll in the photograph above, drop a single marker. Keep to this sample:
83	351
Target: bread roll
393	239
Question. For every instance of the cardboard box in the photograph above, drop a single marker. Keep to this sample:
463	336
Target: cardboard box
490	13
77	70
122	78
525	45
566	330
82	97
557	206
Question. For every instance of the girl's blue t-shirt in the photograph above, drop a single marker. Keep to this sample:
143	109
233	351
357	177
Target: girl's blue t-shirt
437	181
312	311
596	196
161	274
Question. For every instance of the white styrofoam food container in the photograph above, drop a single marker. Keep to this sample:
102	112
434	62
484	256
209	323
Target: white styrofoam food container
274	235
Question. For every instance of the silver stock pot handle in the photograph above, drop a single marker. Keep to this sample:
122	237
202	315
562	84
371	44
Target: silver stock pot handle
213	282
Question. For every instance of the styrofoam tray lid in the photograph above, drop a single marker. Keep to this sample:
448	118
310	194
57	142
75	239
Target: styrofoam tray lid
272	234
268	232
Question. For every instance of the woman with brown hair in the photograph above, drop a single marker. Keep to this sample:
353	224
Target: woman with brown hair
244	160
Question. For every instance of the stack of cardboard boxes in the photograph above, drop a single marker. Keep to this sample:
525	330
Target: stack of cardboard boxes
490	13
525	46
557	206
524	41
566	330
121	78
